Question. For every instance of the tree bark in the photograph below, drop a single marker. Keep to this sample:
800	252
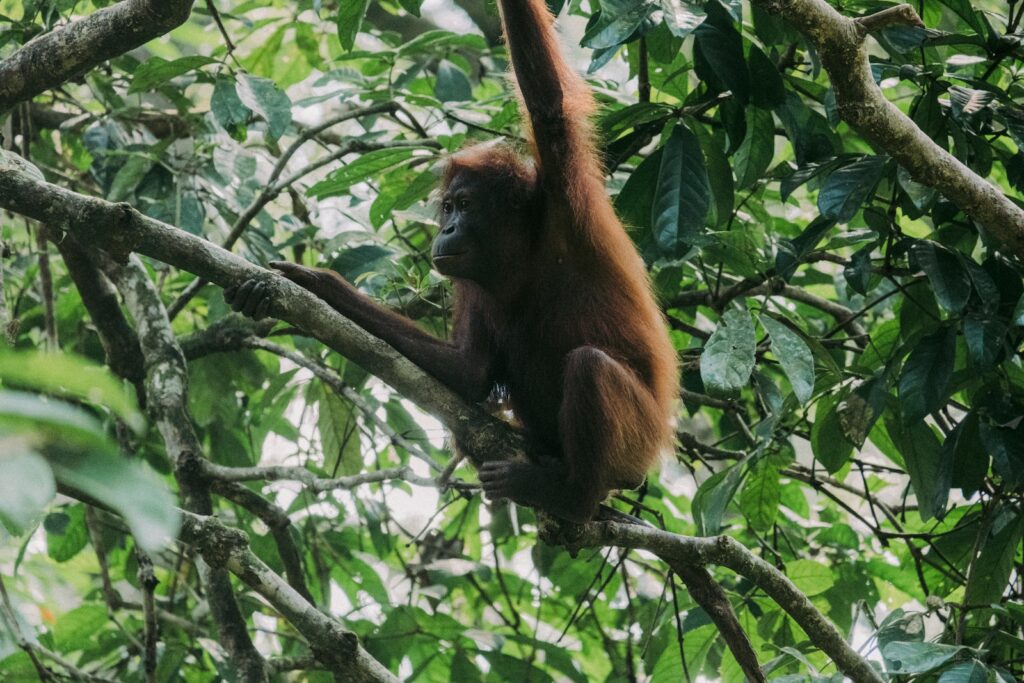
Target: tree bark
55	57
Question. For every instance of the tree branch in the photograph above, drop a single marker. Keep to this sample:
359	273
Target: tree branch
53	58
840	42
167	400
333	645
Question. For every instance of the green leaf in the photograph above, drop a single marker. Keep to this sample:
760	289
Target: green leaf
984	336
728	356
862	407
970	459
858	273
1007	448
812	578
830	445
975	19
718	53
683	194
918	657
719	176
848	187
52	421
267	100
128	178
713	497
339	435
767	89
226	106
452	83
66	533
924	382
352	263
77	630
992	568
950	281
792	252
965	672
70	376
757	149
1018	312
618	20
682	18
635	201
759	499
929	473
350	20
359	170
157	70
129	487
794	356
26	485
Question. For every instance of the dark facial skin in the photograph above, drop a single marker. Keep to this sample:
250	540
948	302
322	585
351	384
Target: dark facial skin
477	238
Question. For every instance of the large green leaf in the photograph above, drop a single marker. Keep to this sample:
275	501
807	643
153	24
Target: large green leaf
728	356
792	252
618	20
52	421
67	375
127	486
359	170
924	383
157	70
713	497
759	499
26	484
830	445
452	83
267	100
848	187
950	281
929	472
339	434
350	21
755	152
636	200
66	532
767	88
226	106
794	355
681	17
919	657
992	568
683	194
809	576
718	53
984	336
966	672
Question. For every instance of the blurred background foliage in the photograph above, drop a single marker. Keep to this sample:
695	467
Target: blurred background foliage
852	388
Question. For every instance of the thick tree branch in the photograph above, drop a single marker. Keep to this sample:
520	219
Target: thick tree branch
120	343
54	57
166	386
280	528
333	645
840	43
